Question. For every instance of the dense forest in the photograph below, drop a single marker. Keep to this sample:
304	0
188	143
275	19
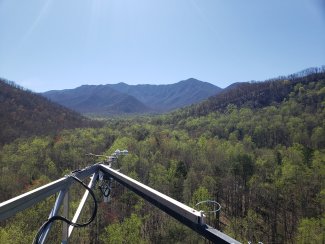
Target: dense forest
24	113
258	149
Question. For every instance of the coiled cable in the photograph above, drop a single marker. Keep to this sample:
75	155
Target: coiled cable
69	222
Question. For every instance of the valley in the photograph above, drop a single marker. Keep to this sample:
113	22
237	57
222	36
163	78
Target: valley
256	148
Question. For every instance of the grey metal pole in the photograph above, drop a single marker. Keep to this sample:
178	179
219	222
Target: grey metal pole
65	230
54	211
91	184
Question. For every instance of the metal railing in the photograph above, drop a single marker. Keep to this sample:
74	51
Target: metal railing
185	214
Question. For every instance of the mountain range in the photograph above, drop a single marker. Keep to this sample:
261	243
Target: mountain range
122	98
24	113
255	94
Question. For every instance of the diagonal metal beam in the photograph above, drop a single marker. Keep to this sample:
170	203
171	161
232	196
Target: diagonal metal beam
186	215
54	211
183	213
154	196
91	184
28	199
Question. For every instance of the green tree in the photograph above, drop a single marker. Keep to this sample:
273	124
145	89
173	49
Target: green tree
311	231
127	231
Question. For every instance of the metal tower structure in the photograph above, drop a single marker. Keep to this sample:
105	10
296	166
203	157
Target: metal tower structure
188	216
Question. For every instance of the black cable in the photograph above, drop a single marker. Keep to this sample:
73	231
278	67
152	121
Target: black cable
69	222
105	187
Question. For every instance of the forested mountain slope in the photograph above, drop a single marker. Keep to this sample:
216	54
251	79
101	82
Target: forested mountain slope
265	165
256	94
24	113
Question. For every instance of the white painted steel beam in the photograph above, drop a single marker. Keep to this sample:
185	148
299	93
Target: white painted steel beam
54	211
91	184
183	213
28	199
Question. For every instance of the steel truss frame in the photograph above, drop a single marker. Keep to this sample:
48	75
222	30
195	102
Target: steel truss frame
183	213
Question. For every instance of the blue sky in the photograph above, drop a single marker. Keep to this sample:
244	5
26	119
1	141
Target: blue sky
58	44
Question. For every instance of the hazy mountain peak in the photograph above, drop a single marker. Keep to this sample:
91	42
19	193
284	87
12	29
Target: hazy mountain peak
191	80
137	98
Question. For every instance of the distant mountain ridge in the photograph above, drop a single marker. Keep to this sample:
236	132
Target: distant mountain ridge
255	94
97	99
122	98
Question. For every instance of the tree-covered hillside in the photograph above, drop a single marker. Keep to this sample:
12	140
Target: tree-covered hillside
24	113
255	94
264	164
